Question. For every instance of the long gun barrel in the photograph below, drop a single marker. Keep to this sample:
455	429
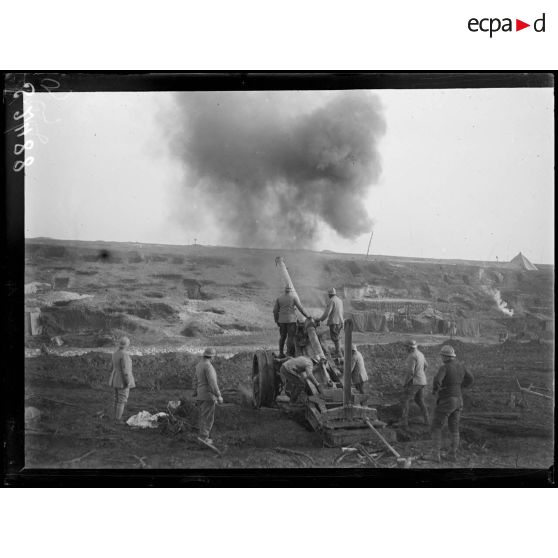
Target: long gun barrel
313	338
279	262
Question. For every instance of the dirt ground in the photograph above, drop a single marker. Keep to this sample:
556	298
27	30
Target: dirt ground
172	301
75	429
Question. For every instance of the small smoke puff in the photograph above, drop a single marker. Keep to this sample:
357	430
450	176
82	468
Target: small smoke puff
272	176
496	295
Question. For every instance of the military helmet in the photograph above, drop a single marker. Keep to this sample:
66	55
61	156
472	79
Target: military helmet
331	291
353	347
209	352
288	289
448	351
412	343
123	342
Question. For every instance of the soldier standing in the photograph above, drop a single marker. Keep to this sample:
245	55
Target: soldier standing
121	378
334	316
414	383
207	394
358	371
451	377
284	313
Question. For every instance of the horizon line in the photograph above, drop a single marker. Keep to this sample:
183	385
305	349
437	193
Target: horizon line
325	251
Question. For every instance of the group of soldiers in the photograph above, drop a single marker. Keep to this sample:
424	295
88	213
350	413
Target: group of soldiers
284	313
451	377
205	386
447	384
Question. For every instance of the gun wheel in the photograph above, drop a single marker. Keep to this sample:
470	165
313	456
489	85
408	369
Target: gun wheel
263	380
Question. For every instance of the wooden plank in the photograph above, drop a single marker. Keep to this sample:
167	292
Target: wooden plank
352	412
346	437
525	390
318	402
313	417
350	424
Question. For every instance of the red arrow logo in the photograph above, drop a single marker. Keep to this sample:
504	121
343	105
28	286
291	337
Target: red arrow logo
519	25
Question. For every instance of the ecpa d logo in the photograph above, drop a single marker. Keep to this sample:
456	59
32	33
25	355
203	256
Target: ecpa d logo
492	25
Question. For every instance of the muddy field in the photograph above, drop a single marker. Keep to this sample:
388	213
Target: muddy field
75	429
172	301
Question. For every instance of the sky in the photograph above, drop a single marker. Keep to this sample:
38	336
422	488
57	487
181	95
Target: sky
465	174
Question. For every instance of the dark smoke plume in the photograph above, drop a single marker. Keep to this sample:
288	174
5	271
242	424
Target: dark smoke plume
271	174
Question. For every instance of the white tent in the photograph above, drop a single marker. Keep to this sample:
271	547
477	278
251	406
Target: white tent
521	262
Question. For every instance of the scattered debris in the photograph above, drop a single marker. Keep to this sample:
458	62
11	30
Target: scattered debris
141	460
531	392
57	341
297	454
209	445
368	456
402	462
78	459
144	419
32	415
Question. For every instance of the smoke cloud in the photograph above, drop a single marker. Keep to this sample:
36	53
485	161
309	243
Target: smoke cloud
272	169
502	304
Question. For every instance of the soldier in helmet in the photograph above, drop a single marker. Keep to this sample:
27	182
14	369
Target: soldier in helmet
359	377
284	313
207	394
121	378
301	367
334	316
414	383
451	377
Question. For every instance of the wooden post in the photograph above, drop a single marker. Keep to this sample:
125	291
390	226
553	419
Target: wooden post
348	363
369	242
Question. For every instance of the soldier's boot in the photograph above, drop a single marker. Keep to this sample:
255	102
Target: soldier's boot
436	445
404	420
452	454
119	412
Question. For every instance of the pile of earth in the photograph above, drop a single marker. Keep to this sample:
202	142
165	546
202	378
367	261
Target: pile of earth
152	372
498	369
82	322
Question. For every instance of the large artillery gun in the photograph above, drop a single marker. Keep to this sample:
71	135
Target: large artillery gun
331	407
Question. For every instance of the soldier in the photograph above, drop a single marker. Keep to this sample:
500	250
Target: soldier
284	313
451	377
121	378
301	367
207	394
414	383
334	315
358	371
453	329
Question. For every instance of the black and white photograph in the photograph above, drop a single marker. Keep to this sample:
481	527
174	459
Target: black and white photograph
287	271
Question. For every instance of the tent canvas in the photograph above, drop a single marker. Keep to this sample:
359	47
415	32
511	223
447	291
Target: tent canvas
369	321
521	262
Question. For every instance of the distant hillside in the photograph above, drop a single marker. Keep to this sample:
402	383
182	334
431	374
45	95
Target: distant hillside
168	293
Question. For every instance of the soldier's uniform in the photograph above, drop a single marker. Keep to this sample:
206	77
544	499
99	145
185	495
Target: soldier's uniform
334	315
206	392
358	371
121	378
284	313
